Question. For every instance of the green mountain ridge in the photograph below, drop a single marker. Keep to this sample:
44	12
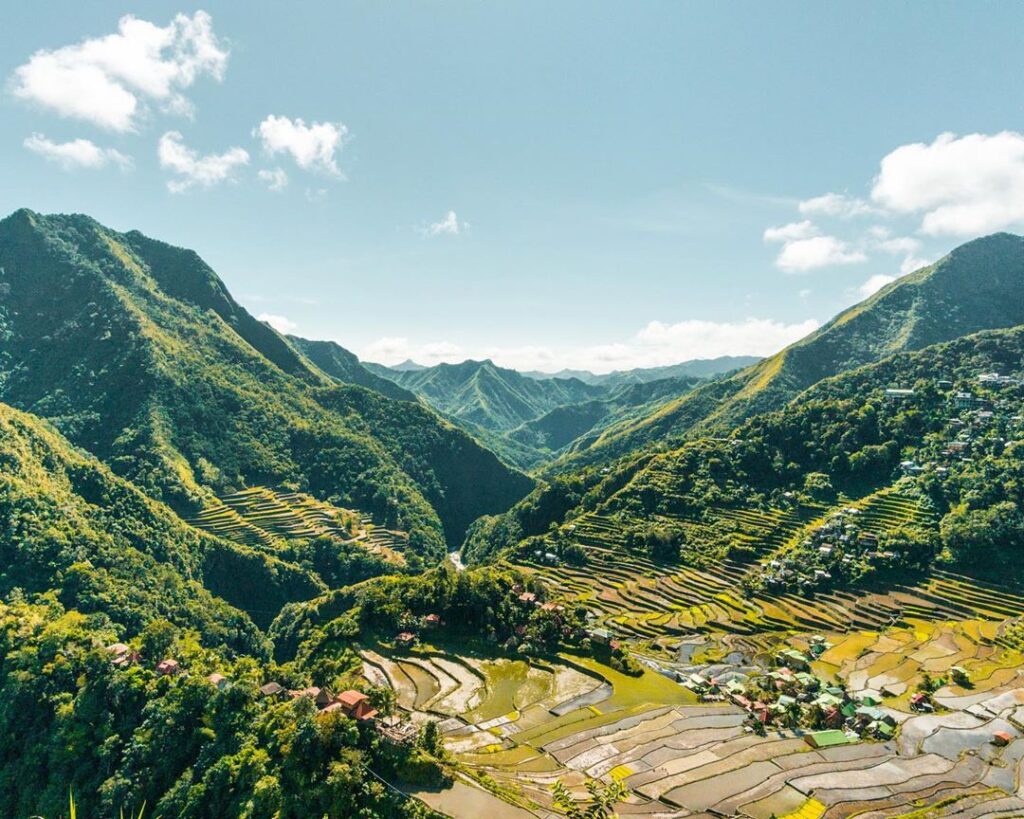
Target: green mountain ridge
527	420
135	351
484	394
978	286
333	359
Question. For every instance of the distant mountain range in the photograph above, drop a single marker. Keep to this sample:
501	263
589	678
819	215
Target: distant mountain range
695	368
527	418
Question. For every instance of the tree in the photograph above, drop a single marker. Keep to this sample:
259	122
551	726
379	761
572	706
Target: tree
157	638
430	739
819	486
599	804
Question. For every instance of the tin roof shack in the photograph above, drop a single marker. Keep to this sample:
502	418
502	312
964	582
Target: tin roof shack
397	730
122	655
219	681
405	639
827	739
322	697
168	667
791	658
272	689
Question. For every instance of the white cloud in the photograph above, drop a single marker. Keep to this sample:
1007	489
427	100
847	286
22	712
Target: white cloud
316	194
449	226
709	339
960	186
656	344
874	284
108	80
276	179
279	323
899	244
788	233
193	169
802	255
836	204
78	153
313	147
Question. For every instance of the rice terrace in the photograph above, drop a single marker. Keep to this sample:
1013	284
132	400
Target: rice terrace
512	410
929	674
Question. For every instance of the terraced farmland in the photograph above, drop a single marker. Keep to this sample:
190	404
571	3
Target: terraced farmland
262	517
641	599
679	758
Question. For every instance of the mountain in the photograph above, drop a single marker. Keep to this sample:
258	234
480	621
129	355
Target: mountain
946	451
575	424
698	367
978	286
71	524
408	366
489	396
343	365
136	352
528	421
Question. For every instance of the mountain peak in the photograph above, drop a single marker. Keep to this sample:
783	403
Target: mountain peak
408	366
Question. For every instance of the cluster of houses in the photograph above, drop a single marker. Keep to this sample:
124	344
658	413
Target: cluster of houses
829	551
791	695
982	411
353	704
600	637
123	655
407	637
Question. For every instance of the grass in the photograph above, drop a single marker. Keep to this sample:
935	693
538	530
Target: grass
811	809
73	811
503	680
259	516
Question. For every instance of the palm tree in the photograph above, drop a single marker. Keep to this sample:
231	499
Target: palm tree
598	806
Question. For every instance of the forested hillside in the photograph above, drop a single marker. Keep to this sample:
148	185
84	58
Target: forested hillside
136	352
71	526
936	424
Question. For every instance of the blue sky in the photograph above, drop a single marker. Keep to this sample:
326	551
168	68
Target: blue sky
572	184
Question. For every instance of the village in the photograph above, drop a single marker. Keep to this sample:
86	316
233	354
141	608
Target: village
577	664
850	544
352	703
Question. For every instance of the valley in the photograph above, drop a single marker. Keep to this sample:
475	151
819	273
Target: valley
789	589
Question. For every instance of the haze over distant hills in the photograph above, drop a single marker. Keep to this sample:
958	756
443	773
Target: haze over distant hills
527	419
698	367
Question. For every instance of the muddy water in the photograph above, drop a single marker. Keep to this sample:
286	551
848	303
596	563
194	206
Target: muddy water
462	801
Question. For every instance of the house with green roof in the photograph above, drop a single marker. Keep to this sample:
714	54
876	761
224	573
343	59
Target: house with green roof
828	739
